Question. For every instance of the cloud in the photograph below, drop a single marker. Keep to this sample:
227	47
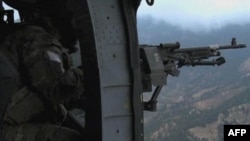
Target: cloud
192	14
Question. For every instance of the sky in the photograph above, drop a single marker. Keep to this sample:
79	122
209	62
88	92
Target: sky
16	15
198	14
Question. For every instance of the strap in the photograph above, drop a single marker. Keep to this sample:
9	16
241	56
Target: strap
8	82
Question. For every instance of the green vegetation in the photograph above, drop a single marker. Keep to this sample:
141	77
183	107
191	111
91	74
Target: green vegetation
226	78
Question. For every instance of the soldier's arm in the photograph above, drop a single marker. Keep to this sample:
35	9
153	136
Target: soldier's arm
45	66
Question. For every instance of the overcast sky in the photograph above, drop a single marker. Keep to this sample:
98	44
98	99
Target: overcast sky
199	14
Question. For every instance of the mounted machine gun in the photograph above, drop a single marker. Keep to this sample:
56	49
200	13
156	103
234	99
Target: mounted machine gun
158	62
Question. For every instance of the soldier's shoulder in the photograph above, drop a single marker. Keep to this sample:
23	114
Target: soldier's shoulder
29	33
30	30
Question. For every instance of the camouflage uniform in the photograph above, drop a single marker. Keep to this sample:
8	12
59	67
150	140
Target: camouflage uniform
36	80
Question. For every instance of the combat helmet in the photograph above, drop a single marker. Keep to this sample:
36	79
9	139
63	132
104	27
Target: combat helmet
50	14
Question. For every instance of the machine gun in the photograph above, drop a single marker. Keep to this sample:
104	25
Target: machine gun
158	62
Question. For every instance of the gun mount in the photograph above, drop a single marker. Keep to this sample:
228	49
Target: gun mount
160	61
112	108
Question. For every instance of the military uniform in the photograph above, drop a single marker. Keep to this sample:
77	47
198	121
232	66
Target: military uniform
36	80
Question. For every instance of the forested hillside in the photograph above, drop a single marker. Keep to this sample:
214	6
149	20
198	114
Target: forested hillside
196	105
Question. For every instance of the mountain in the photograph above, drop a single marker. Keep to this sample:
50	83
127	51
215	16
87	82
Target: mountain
196	105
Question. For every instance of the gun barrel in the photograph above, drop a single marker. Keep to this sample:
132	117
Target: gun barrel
211	47
233	46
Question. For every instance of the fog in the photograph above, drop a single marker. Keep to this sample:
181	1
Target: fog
194	15
198	14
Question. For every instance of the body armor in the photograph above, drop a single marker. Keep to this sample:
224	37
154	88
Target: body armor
40	80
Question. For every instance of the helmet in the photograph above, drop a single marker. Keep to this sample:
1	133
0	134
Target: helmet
50	14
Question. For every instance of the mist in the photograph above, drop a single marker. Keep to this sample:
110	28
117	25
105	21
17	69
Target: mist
193	15
198	15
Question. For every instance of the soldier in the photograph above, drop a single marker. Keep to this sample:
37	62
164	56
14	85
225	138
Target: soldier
36	75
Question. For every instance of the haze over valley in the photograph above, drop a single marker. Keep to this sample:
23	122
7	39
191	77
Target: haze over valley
196	105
